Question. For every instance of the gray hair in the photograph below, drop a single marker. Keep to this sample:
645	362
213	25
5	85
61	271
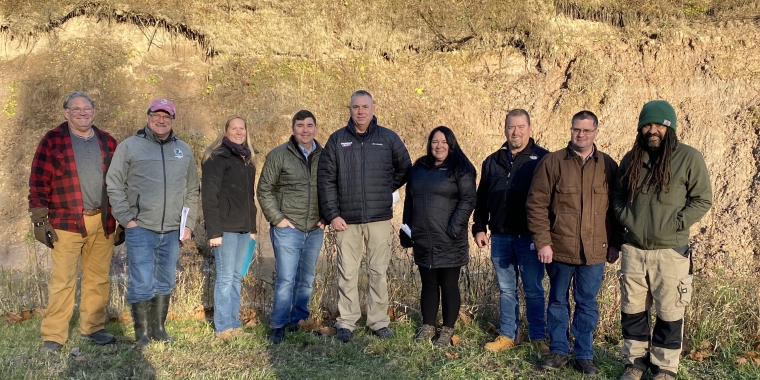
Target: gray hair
361	93
77	94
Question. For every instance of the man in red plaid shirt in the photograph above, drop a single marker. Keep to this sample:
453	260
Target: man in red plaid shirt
71	215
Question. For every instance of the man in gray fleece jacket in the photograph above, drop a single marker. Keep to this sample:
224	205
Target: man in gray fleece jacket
152	177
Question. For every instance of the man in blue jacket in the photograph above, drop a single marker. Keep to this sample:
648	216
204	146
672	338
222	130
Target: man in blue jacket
361	165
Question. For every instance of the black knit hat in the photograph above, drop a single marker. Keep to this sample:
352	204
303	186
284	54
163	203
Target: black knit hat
658	111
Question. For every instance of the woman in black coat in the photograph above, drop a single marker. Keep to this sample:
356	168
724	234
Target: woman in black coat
440	196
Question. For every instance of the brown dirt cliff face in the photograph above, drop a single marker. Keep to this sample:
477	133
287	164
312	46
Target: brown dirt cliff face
463	65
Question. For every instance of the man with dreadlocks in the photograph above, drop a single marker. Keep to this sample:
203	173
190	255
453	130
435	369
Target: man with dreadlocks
662	189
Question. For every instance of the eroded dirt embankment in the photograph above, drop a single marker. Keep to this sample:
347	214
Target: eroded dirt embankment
710	73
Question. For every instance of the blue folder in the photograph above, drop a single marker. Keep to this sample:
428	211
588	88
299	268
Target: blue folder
249	256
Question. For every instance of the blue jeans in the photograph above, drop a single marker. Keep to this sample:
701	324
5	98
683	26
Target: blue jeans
587	279
295	254
513	254
152	261
230	257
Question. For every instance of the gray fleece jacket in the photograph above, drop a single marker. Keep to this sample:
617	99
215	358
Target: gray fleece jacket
149	181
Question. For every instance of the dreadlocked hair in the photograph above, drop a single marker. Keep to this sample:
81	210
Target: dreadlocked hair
657	179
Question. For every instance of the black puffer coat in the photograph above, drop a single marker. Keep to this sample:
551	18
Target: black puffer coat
437	208
357	176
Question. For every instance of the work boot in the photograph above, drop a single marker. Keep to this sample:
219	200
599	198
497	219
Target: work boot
50	347
100	337
586	366
141	322
541	347
444	339
384	332
554	361
344	335
632	373
278	335
500	343
159	307
426	334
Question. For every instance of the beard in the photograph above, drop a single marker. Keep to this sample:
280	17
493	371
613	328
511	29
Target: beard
651	141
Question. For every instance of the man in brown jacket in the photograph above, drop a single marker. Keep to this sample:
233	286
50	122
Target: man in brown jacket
572	228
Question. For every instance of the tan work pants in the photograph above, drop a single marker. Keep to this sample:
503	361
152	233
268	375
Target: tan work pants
95	252
653	276
377	238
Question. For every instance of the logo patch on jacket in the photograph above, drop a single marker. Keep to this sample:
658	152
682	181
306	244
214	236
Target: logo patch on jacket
378	144
346	144
177	153
534	157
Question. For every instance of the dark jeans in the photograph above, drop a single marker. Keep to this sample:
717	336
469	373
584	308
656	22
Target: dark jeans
587	279
443	284
514	255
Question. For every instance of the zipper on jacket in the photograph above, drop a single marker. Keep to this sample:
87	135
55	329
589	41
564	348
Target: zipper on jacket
248	200
427	219
163	164
308	190
364	188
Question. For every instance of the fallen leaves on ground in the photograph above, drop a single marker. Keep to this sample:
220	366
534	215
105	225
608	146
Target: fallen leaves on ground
396	315
201	313
465	318
455	340
749	357
704	351
23	315
248	316
452	355
392	362
315	325
125	317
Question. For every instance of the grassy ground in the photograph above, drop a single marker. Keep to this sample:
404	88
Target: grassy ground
197	355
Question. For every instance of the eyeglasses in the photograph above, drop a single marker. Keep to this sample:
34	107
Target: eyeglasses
79	110
157	116
585	132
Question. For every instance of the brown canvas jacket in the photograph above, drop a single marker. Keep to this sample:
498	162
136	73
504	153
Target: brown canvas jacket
569	206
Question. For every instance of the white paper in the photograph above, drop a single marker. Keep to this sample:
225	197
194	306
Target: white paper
183	221
406	230
396	197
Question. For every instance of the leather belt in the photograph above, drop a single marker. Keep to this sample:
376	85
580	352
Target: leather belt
92	212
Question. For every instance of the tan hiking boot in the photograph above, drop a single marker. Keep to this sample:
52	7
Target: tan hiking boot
541	347
500	343
632	373
225	335
425	334
238	332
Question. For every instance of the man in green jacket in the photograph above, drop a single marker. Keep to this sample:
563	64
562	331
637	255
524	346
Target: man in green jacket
662	189
287	194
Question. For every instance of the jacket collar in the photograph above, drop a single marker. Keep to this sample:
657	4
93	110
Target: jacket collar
352	127
529	149
148	134
293	146
570	153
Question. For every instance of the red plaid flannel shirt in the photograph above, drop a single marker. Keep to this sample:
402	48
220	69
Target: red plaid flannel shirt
54	183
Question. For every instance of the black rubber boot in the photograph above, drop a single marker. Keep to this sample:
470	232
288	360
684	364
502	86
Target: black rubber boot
141	322
159	307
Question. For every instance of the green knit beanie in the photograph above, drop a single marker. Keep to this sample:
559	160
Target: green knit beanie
658	111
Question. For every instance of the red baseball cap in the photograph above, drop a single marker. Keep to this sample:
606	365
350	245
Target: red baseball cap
162	104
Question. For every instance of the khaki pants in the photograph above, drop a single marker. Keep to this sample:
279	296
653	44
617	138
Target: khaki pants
95	252
653	276
377	238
